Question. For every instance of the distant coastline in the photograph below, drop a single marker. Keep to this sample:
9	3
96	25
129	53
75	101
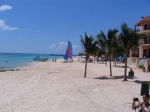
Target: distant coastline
59	55
56	54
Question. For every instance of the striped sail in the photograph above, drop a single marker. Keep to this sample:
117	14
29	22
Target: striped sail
68	51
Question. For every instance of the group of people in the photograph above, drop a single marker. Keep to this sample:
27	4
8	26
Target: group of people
137	105
141	106
54	59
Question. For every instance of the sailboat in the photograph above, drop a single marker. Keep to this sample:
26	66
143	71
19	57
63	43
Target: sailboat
68	54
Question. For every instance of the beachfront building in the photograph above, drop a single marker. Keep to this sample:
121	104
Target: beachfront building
141	55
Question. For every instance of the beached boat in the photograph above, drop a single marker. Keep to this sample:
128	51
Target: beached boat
68	54
40	58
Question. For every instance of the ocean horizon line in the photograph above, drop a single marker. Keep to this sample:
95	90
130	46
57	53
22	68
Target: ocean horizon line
56	54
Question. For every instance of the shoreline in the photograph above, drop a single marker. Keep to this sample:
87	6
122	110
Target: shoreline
18	68
9	61
26	66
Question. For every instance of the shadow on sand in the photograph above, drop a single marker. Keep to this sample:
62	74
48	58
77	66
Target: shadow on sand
120	77
137	81
122	66
114	77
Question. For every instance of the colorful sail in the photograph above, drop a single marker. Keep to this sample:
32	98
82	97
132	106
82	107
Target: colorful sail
68	51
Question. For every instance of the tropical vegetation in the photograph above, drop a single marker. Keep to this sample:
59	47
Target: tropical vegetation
141	66
112	44
89	46
129	39
106	42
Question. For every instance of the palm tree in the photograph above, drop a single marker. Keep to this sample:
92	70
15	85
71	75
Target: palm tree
129	39
116	49
95	52
106	42
89	46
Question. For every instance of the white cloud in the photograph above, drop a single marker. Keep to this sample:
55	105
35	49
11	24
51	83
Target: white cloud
52	46
75	46
58	47
3	26
61	47
62	44
5	7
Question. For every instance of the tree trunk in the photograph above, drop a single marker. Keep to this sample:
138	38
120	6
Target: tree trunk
85	66
125	72
115	62
110	64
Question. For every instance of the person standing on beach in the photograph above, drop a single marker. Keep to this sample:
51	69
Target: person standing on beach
97	59
55	60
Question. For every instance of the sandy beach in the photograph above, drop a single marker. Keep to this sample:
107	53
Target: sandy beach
60	87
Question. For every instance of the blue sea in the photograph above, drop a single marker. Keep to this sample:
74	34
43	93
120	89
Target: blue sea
15	60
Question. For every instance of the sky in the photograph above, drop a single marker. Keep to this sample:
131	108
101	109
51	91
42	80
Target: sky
45	26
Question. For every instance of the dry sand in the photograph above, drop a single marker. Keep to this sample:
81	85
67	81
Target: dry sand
60	87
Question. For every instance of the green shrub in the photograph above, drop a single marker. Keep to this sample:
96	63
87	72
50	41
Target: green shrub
141	66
